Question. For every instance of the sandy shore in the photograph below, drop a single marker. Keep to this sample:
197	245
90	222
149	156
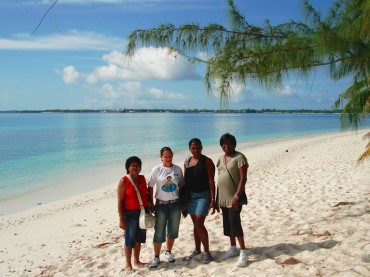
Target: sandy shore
308	215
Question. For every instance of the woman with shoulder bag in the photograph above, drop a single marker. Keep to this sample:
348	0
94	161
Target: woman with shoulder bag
232	176
129	210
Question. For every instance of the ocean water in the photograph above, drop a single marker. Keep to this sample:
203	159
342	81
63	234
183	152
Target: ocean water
44	149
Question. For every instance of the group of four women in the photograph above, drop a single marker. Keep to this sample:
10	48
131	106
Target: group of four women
193	192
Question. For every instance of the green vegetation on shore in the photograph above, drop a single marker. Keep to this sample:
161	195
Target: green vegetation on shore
171	111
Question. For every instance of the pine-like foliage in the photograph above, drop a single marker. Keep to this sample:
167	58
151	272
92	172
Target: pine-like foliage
268	54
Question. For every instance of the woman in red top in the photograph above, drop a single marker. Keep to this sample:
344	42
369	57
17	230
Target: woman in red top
129	210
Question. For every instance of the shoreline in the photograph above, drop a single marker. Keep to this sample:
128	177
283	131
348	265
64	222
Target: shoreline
308	215
107	176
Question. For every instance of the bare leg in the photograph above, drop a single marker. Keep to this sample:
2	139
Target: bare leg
128	253
241	242
200	232
137	255
196	235
170	243
232	241
157	248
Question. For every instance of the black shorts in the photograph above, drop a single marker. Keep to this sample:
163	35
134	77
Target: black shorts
231	222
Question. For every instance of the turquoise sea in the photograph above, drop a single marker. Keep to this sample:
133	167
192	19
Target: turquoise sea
38	150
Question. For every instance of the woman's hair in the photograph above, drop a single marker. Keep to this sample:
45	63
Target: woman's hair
166	148
131	160
196	141
227	137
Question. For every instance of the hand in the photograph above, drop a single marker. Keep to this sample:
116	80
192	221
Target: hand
235	204
152	208
122	224
213	207
217	208
184	213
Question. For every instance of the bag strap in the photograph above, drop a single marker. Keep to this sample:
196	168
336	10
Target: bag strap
243	192
232	180
137	192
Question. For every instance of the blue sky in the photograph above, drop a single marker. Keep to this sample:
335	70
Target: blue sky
75	59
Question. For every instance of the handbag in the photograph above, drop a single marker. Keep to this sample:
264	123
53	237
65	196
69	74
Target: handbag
146	220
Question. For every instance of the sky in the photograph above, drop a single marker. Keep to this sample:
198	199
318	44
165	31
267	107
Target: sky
73	57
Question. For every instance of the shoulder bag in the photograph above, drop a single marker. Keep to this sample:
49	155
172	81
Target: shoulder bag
146	220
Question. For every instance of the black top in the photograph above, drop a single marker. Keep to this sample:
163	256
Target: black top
196	177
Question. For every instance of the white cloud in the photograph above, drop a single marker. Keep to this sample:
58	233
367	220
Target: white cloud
133	93
166	95
286	90
203	55
147	64
129	5
176	96
4	96
48	2
110	72
118	83
122	90
156	93
77	2
237	90
108	91
70	75
72	40
89	2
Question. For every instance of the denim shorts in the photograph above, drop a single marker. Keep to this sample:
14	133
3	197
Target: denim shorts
199	203
133	233
167	221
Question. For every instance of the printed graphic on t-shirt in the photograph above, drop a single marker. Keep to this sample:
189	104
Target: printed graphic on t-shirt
169	186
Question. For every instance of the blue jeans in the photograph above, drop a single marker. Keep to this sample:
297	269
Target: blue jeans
133	233
167	217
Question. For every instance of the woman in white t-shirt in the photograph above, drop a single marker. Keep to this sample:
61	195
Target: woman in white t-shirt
167	179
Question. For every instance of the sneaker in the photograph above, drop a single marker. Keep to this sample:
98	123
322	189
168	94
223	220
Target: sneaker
155	263
192	255
243	259
231	253
207	258
170	258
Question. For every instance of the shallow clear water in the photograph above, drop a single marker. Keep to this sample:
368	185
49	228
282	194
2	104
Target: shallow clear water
37	148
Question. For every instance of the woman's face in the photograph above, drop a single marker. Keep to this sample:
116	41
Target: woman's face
228	147
134	168
167	158
195	149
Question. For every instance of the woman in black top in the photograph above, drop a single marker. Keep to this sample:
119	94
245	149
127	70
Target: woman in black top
200	186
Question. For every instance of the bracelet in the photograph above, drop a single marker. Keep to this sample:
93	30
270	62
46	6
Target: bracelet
237	197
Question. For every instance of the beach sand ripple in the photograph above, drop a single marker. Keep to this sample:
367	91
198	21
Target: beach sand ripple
308	215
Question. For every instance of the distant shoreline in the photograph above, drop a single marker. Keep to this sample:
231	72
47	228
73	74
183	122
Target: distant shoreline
174	111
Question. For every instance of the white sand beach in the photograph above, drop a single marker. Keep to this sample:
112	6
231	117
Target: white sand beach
308	215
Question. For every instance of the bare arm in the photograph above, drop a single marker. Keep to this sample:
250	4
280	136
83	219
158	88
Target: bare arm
211	181
121	203
150	198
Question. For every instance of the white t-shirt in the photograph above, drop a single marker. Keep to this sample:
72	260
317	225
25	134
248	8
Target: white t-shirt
168	180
